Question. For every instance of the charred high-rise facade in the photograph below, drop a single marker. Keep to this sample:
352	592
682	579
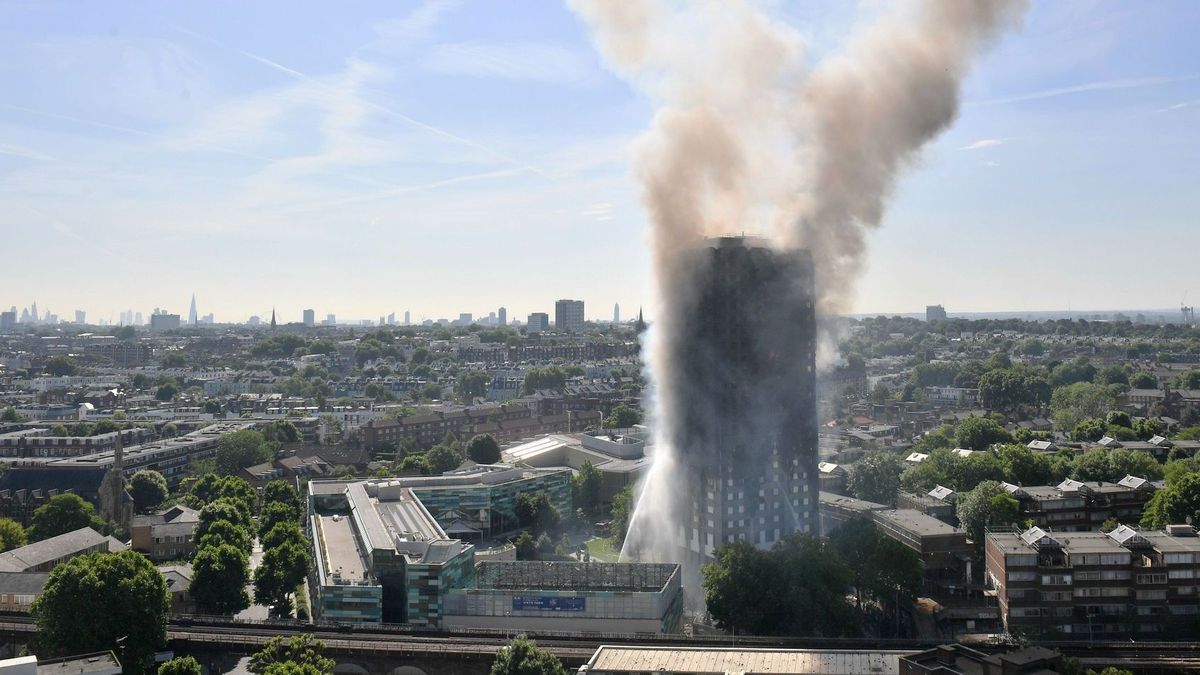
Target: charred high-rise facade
742	369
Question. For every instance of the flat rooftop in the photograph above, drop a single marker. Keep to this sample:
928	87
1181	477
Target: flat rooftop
743	661
342	556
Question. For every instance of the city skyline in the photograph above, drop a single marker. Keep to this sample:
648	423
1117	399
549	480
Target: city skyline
372	157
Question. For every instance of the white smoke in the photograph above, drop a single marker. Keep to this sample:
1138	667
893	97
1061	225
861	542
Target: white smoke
746	139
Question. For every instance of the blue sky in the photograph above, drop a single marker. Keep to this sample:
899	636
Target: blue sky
449	157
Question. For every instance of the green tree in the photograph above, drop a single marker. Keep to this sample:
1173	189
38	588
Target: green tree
1070	372
586	487
174	360
12	535
884	569
180	665
283	568
1143	380
1074	403
522	656
1023	466
281	534
980	433
534	509
413	464
219	575
544	377
222	531
1187	380
60	366
274	513
809	597
283	492
988	505
303	650
622	513
11	415
484	449
1117	374
64	513
471	384
167	391
1176	503
526	547
623	417
283	431
149	489
876	478
442	458
241	449
224	508
92	601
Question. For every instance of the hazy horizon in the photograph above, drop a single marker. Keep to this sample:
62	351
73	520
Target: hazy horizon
447	157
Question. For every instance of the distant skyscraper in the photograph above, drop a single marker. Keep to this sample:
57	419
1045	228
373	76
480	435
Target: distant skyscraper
568	315
8	320
164	321
407	321
193	317
310	318
33	315
391	318
464	319
502	317
616	313
330	320
935	313
137	319
538	322
80	316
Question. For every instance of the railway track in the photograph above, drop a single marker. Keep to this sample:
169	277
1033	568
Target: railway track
407	640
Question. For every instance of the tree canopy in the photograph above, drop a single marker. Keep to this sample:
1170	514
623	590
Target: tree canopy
149	489
302	650
807	596
522	656
180	665
91	601
241	449
219	576
483	449
876	478
64	513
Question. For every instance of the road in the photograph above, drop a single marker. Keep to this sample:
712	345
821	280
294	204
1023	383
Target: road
255	612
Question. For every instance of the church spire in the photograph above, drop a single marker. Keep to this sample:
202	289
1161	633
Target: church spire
272	318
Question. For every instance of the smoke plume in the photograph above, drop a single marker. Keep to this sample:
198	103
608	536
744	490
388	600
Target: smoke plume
746	138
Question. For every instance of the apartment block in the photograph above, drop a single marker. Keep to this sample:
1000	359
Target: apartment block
1126	584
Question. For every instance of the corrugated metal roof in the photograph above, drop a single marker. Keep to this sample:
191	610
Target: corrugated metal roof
748	661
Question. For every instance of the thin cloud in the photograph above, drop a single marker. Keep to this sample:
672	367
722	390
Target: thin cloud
411	121
417	27
405	189
129	130
601	211
525	61
987	143
24	153
1179	106
1106	85
989	164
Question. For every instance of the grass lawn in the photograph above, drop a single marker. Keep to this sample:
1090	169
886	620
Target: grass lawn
602	550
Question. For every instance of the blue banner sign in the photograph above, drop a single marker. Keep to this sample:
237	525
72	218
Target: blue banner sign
539	603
